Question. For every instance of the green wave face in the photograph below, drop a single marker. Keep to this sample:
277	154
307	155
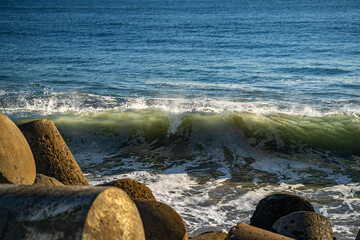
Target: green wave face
335	133
338	134
251	147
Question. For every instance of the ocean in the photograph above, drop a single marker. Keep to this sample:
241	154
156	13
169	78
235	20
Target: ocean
213	104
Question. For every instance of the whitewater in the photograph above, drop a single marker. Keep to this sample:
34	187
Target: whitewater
212	104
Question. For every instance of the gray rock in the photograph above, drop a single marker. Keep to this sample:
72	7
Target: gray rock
67	212
304	226
275	206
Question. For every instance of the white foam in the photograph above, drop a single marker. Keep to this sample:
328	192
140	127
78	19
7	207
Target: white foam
55	102
219	204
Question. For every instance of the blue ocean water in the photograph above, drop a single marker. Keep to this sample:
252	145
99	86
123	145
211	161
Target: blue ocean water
233	100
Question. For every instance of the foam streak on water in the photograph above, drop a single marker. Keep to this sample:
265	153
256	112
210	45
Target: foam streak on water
214	166
206	207
213	104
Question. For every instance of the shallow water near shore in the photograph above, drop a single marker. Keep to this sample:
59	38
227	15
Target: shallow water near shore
212	104
213	168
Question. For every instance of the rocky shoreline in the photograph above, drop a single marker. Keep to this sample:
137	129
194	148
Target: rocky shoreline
44	194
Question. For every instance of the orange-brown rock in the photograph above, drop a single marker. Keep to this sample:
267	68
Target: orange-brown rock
161	222
211	235
135	189
68	212
246	232
17	164
304	225
52	156
46	181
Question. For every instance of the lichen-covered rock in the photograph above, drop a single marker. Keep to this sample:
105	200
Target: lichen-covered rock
17	164
68	212
52	156
46	181
211	235
246	232
275	206
305	226
135	190
161	222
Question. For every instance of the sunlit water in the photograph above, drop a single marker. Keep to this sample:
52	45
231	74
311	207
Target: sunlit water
212	104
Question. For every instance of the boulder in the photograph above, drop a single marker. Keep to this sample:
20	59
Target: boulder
161	222
304	225
135	190
246	232
52	156
211	235
17	163
68	212
46	181
273	207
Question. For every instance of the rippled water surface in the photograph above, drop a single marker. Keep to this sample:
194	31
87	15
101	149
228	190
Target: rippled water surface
213	104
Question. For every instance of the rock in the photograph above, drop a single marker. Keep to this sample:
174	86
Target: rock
273	207
211	235
358	236
135	190
68	212
246	232
161	222
304	225
52	156
46	181
17	163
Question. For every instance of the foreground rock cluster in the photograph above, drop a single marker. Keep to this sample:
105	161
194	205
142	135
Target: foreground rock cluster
45	195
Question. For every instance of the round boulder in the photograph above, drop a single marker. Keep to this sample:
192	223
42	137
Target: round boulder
304	225
211	235
46	181
275	206
160	221
17	163
135	190
52	156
